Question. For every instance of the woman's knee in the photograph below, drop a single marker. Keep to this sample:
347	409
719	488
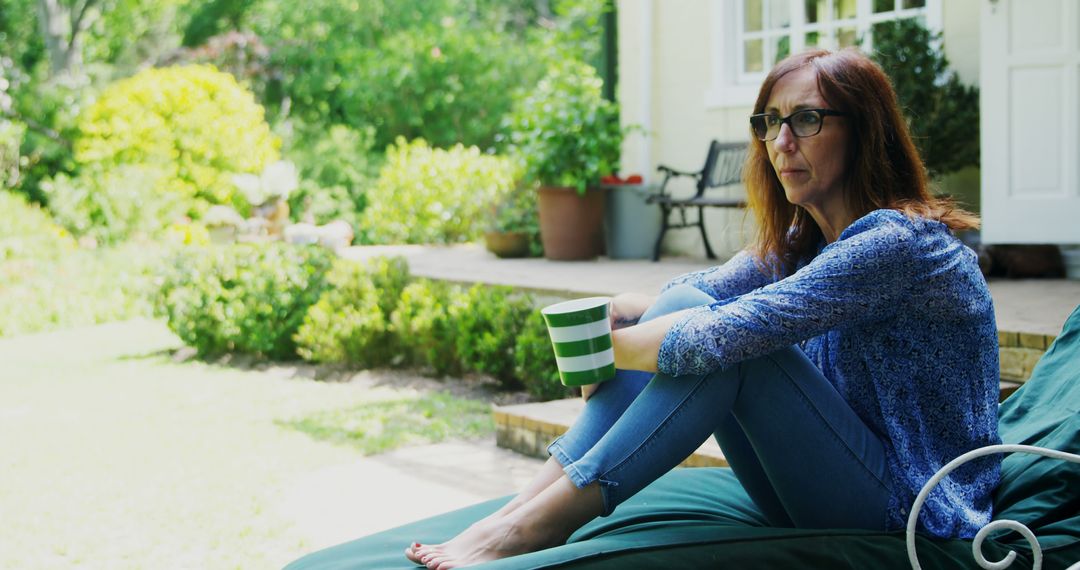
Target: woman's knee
676	298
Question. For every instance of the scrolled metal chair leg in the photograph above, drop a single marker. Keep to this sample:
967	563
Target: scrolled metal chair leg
976	546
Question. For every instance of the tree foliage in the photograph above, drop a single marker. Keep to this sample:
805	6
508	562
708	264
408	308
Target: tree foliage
942	112
195	123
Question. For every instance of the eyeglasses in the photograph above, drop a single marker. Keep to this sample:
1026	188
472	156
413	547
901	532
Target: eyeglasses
803	123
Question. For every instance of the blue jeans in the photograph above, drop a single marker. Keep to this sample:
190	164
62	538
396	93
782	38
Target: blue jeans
801	453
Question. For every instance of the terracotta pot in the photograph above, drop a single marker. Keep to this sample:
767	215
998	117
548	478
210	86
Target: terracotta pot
571	225
507	244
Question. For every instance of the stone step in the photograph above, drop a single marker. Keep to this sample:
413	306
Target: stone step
529	428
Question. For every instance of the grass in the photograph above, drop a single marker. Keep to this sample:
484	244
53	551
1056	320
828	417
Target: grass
383	426
115	456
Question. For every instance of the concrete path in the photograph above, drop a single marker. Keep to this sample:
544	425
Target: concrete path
348	501
1037	306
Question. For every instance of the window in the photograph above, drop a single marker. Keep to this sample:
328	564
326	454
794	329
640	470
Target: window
750	36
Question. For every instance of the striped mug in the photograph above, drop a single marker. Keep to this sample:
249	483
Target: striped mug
581	335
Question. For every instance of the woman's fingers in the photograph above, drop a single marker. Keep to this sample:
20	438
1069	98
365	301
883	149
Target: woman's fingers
587	391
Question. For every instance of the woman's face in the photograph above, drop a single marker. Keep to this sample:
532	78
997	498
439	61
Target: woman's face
811	169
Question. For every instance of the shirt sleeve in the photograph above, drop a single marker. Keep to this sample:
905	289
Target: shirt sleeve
860	277
739	275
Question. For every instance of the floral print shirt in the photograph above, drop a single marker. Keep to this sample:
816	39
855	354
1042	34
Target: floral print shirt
898	317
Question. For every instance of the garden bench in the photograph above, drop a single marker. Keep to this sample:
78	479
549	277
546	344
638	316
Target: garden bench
723	167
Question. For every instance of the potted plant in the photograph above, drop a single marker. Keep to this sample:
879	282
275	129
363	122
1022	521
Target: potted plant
514	229
568	137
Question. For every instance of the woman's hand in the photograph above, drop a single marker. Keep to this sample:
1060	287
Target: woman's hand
587	390
624	310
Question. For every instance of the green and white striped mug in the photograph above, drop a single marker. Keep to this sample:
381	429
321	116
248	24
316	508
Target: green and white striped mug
581	335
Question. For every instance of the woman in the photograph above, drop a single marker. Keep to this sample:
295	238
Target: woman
839	362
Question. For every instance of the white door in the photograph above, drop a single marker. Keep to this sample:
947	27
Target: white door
1030	120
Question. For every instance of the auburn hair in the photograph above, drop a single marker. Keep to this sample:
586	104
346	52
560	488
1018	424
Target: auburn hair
884	170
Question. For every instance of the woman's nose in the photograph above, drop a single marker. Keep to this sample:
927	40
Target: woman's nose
785	139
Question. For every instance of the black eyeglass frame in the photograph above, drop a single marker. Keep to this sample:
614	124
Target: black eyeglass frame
822	112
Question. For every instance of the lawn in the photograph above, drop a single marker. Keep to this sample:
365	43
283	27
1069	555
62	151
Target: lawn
116	454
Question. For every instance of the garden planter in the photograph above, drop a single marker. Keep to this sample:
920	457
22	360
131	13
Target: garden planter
571	224
507	244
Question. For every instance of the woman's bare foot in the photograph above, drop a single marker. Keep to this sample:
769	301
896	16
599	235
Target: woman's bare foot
550	472
546	520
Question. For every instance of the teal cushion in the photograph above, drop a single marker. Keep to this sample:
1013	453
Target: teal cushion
1041	492
690	518
702	518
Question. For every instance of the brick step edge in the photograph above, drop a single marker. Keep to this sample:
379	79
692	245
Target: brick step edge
529	429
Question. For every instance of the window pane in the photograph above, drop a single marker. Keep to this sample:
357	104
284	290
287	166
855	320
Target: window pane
754	59
914	3
779	14
845	37
815	11
884	6
843	9
752	18
812	39
783	48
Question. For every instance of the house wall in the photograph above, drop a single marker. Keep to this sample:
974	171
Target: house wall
665	72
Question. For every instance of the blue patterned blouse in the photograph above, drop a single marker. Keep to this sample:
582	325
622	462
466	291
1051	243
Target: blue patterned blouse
897	316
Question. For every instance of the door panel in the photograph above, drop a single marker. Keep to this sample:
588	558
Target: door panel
1030	120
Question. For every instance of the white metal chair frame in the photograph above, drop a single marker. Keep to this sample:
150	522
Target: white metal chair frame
976	546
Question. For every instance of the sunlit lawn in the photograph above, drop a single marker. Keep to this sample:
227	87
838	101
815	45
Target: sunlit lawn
112	455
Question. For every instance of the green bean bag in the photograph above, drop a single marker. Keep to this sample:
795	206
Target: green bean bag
701	518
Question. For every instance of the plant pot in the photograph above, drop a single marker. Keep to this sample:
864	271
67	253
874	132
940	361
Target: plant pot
507	244
571	225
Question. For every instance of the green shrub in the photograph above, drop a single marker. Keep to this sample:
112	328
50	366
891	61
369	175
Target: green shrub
442	70
336	168
195	123
82	287
425	328
47	282
351	321
28	233
129	201
565	131
487	329
942	112
430	195
534	360
11	137
248	298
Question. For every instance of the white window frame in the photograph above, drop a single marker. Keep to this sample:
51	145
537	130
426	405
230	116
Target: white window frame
731	87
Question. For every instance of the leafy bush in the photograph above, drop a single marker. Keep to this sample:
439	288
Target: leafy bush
28	233
443	70
565	131
46	150
350	322
487	328
534	360
244	298
129	201
430	195
424	325
336	168
942	112
82	287
11	137
196	124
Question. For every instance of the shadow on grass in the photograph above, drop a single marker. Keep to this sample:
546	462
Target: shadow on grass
379	427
